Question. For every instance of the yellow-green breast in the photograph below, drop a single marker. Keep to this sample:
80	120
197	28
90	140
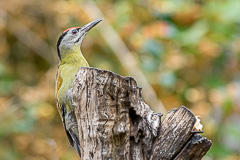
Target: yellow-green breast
68	68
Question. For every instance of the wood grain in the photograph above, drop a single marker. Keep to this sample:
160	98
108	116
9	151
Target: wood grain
115	123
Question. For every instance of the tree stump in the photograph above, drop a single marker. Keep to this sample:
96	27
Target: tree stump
115	123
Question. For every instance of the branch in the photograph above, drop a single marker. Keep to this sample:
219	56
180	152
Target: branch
115	123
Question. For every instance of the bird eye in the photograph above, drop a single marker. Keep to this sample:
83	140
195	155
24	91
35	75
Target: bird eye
74	31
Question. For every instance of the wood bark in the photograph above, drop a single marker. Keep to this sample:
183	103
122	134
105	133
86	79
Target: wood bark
115	123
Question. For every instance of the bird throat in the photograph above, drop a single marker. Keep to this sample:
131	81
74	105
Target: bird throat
72	56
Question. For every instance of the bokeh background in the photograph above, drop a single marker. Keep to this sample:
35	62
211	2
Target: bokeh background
181	52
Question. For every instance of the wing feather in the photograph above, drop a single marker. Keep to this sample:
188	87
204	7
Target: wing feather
61	108
58	85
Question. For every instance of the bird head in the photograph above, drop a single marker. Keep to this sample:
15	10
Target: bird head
71	38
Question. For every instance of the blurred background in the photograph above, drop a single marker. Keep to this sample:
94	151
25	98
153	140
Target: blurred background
180	52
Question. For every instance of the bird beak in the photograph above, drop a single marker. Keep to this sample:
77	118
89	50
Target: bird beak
84	29
90	25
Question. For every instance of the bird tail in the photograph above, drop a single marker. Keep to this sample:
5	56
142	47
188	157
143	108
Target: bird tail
76	142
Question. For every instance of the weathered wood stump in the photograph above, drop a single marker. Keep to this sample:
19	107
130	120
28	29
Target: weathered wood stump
115	123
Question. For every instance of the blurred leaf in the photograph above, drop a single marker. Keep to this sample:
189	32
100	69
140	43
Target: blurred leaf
218	151
153	47
193	35
23	122
228	107
213	81
226	10
167	79
6	85
149	64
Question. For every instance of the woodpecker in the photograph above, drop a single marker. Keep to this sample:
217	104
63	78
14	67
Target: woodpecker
71	60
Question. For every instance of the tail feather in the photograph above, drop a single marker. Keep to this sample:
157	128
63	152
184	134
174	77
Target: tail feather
78	150
76	142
